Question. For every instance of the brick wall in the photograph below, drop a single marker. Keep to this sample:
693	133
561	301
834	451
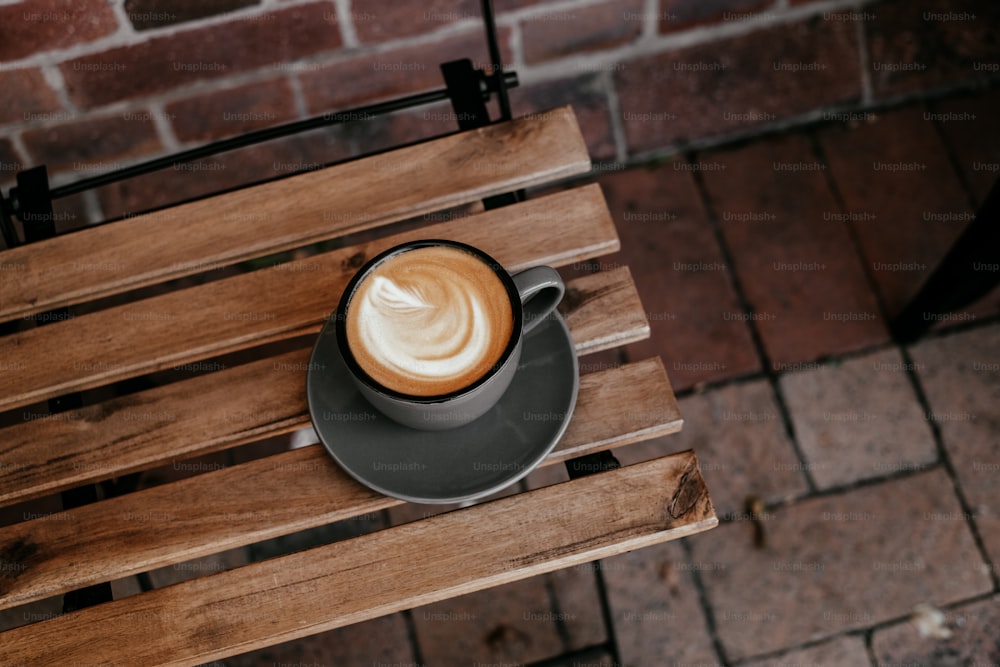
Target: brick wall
92	85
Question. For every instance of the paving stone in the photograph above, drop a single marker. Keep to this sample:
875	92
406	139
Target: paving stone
44	25
740	440
858	419
577	604
838	563
513	623
600	27
232	111
741	444
731	85
680	273
960	375
902	197
655	610
973	641
382	641
916	47
792	252
589	99
840	652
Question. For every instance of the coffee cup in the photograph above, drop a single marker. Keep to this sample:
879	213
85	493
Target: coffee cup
431	331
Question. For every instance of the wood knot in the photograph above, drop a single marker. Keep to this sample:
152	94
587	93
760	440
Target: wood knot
13	559
354	261
688	493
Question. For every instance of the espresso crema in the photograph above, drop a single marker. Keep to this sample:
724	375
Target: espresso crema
429	321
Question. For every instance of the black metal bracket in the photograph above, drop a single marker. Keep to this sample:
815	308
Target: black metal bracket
967	273
7	229
591	464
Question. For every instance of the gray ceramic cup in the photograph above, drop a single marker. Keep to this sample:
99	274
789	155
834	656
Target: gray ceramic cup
534	294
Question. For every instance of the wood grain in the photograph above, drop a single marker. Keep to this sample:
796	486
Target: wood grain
277	302
275	496
149	428
394	569
592	301
294	211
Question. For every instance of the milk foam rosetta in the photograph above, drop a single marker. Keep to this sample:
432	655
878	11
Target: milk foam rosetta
429	321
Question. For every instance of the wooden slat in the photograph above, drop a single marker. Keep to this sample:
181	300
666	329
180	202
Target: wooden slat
154	427
399	568
275	303
275	496
591	302
294	211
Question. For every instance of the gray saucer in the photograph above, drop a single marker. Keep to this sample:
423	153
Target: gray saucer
456	465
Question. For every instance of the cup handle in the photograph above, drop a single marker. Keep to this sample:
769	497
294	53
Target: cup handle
541	289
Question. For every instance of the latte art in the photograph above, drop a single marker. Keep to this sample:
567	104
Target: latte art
429	321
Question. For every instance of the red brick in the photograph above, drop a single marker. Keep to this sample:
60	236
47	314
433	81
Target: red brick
380	641
921	46
94	144
11	161
682	14
390	74
794	257
232	111
590	104
28	98
972	639
563	32
280	157
48	25
681	275
892	174
838	563
655	610
509	623
168	61
578	603
147	14
858	419
971	128
730	85
378	21
960	375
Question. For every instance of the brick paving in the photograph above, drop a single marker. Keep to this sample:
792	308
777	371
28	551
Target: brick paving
874	466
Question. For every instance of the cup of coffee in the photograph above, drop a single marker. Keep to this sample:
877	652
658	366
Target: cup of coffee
431	331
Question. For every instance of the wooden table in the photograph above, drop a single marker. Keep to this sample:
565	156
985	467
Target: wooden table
260	604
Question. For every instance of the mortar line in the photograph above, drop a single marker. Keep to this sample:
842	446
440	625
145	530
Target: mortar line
737	285
706	607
